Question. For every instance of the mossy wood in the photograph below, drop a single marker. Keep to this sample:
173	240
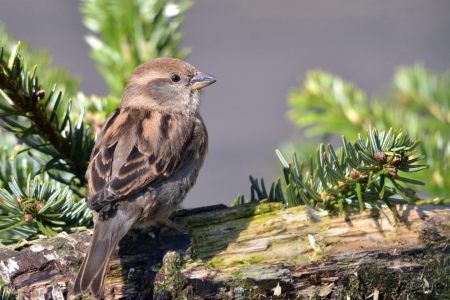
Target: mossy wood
255	251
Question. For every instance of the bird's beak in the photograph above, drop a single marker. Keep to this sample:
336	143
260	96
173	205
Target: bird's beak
201	80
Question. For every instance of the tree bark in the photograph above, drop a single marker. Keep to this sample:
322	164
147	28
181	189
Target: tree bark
254	251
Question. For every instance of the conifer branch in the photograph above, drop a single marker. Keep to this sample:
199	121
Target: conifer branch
418	104
363	174
34	121
41	208
142	31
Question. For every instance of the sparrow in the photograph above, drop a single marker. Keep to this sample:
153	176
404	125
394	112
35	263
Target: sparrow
146	158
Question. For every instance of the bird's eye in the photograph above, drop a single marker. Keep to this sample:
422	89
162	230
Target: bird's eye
175	78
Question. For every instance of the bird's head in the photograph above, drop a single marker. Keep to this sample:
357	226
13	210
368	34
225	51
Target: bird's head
166	84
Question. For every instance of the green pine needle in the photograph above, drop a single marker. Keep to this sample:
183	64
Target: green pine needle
418	102
143	30
354	176
40	208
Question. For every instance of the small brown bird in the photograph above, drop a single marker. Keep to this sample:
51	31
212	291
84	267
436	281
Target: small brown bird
146	158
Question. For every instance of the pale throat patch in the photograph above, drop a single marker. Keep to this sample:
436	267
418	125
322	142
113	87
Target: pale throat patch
194	102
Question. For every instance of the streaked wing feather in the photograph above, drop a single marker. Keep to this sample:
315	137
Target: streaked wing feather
130	154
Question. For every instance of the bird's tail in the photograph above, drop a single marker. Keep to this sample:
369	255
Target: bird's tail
107	234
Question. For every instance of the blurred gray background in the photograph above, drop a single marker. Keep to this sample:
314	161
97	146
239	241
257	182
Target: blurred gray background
259	50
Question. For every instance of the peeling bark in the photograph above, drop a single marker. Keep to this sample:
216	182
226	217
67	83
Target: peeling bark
254	251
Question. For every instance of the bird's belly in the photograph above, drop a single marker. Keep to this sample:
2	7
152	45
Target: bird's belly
159	199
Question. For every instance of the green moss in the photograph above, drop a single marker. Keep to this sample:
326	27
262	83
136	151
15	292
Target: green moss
245	211
215	262
174	281
235	261
64	247
254	260
432	201
244	287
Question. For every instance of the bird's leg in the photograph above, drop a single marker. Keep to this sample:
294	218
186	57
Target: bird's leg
168	226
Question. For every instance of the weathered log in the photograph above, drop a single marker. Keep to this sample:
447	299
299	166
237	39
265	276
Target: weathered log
254	251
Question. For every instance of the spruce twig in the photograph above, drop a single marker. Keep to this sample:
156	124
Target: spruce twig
357	175
418	103
142	31
67	142
41	208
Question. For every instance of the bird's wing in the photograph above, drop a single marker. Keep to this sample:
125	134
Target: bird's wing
138	147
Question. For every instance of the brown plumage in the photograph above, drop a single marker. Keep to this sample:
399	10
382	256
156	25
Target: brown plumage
146	158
